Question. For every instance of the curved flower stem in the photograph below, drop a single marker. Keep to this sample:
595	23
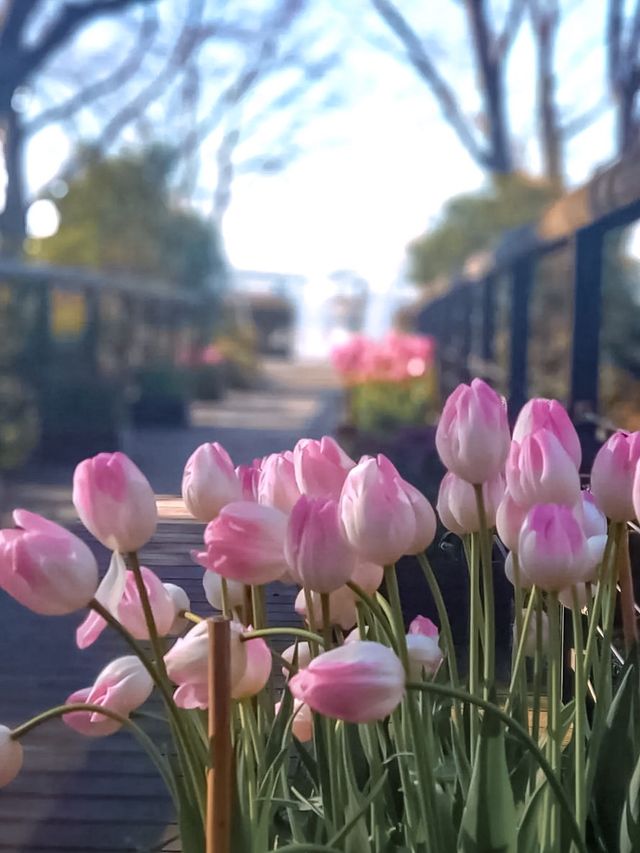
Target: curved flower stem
294	632
520	655
375	608
521	734
139	733
154	637
190	617
489	603
579	724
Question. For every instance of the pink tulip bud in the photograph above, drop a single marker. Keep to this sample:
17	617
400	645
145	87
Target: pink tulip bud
368	576
320	467
378	516
472	436
212	584
257	670
550	415
277	485
425	656
342	608
11	757
122	686
187	664
426	522
425	627
457	503
510	573
530	642
302	726
248	477
181	602
553	548
540	471
246	543
46	568
359	682
585	593
509	519
612	475
318	555
209	482
304	656
594	521
115	501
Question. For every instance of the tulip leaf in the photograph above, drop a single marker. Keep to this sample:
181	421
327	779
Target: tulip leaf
615	759
630	823
530	822
489	818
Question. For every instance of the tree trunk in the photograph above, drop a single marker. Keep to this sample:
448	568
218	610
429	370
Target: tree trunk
549	130
627	129
12	218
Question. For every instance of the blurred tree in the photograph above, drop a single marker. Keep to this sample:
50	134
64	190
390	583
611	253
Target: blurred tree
187	73
118	216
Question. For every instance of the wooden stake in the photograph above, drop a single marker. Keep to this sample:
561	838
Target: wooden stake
219	782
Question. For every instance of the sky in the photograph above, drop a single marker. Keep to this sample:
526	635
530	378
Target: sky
376	171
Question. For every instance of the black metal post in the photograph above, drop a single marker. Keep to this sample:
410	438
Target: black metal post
487	349
521	283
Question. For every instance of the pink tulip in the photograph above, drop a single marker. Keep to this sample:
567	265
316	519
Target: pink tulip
472	436
540	471
277	485
378	516
509	519
122	686
612	475
249	477
246	543
342	608
359	682
530	642
635	493
302	725
46	568
320	467
187	664
304	656
425	656
368	576
553	548
510	573
584	592
550	415
115	501
425	627
318	555
11	757
209	482
257	670
212	584
457	505
426	523
130	613
181	602
593	520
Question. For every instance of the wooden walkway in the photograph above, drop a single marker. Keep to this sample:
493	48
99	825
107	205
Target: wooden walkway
79	795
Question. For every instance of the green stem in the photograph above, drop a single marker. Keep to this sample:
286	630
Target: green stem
143	738
154	637
224	590
258	606
538	665
579	725
294	632
520	655
488	597
555	699
521	734
326	619
311	622
375	609
595	608
475	611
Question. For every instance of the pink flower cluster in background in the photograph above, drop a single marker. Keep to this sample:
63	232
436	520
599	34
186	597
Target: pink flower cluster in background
394	358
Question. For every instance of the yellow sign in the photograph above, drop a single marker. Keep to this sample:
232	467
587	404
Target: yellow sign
68	314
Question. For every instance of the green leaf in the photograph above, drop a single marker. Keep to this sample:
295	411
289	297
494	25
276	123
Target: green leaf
489	818
530	822
630	823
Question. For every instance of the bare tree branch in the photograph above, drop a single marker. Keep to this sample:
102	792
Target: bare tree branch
575	125
614	41
511	27
442	92
104	86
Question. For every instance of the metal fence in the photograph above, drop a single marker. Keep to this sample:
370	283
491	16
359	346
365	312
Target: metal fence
484	322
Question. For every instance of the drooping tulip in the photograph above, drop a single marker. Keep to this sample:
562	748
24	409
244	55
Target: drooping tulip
46	568
509	518
612	475
342	608
320	467
539	470
551	415
129	610
115	501
257	669
246	543
359	682
181	602
317	552
378	516
457	503
122	686
553	549
472	436
11	757
209	481
277	485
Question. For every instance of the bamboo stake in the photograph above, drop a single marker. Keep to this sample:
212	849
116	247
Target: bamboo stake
219	776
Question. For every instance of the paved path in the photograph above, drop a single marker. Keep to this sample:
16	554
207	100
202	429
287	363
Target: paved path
77	794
